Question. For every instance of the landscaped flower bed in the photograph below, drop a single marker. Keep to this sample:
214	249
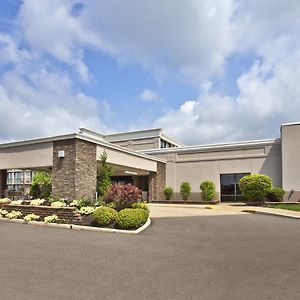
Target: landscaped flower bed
121	209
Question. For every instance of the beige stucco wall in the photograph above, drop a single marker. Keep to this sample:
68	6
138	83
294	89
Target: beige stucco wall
197	166
290	135
140	144
126	159
27	156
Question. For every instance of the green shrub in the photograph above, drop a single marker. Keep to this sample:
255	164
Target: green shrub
103	176
131	218
208	190
276	194
142	205
168	191
255	187
104	216
185	190
82	202
41	185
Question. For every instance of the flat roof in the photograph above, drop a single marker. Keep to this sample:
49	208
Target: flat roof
214	147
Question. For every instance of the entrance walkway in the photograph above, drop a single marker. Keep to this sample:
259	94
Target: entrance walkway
171	210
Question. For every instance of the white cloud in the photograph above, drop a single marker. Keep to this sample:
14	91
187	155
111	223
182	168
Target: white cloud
44	104
49	27
269	95
190	38
149	95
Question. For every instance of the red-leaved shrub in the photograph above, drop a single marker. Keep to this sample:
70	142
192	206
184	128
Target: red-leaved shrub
123	195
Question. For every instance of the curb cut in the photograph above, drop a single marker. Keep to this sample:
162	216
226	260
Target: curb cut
80	227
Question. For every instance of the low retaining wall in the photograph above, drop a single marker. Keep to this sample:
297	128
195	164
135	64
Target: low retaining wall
66	213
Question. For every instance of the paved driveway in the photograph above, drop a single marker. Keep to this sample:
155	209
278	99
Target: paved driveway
239	256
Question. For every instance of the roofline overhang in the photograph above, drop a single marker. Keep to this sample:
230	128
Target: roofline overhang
215	147
82	137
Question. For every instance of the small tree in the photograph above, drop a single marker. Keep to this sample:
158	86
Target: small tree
208	190
104	175
185	190
168	191
255	187
41	186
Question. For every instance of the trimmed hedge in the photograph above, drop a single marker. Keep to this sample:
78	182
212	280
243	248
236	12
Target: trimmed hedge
185	190
131	218
168	191
142	205
255	187
208	190
276	194
104	216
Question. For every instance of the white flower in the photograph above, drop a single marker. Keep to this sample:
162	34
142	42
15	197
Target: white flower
58	204
51	219
37	202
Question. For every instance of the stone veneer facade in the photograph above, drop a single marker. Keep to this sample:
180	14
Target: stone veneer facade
157	183
3	185
75	175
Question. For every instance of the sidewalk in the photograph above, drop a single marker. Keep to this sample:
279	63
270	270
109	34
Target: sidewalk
262	210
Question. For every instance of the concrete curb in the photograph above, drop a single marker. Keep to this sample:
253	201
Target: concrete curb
276	214
79	227
270	213
200	206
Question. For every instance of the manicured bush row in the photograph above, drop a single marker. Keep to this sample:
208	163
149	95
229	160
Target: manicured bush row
131	218
104	216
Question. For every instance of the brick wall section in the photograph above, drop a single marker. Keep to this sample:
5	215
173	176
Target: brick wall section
75	175
66	213
157	183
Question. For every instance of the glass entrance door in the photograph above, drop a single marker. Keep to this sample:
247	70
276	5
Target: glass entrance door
230	191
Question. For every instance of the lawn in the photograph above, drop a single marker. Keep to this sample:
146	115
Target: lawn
295	207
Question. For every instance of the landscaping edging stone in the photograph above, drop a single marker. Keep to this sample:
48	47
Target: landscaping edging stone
79	227
66	213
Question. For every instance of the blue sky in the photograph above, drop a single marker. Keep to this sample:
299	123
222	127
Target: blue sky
205	71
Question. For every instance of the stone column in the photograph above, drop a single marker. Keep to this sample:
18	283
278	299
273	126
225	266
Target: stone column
157	183
74	175
3	183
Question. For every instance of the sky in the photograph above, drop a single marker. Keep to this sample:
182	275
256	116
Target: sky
205	71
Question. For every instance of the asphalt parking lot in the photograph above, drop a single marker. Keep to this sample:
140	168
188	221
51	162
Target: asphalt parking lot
240	256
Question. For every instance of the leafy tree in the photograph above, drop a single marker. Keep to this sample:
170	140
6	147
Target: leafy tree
41	186
104	174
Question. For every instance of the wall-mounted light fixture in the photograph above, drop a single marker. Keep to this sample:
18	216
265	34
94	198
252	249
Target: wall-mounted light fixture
61	154
130	173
